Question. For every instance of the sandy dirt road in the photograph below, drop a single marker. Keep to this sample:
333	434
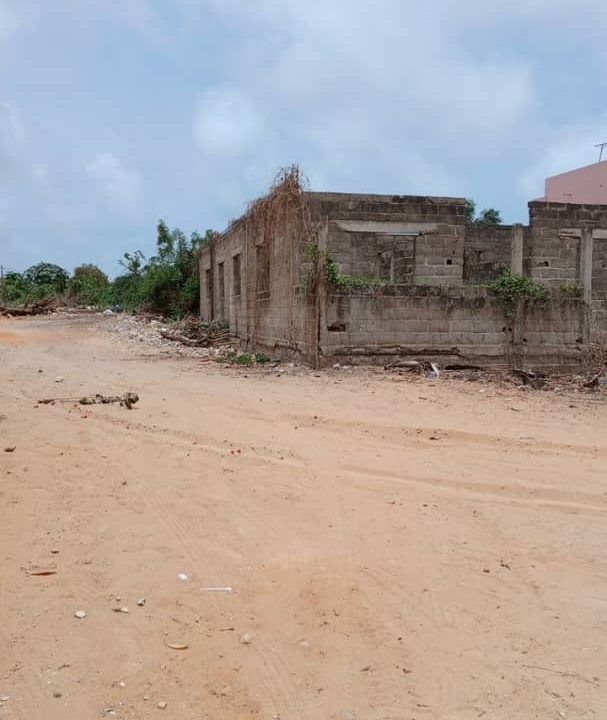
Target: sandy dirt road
397	550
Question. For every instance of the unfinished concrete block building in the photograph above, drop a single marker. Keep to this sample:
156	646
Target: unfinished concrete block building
333	277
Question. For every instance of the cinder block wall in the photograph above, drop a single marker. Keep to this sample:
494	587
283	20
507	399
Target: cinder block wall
554	252
450	325
224	299
424	234
553	249
268	313
434	266
599	286
487	252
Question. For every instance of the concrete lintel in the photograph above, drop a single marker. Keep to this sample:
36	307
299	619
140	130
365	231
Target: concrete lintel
570	232
386	227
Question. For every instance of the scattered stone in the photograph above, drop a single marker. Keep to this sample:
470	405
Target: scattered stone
140	602
6	698
162	705
80	614
246	639
131	329
124	610
59	380
146	697
123	482
56	694
366	668
304	644
178	646
54	551
10	448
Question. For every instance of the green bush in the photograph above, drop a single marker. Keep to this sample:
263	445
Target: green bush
125	291
169	282
511	288
14	289
244	358
89	286
572	290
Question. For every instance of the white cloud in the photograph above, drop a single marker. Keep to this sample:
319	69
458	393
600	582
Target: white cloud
377	97
227	122
467	98
120	185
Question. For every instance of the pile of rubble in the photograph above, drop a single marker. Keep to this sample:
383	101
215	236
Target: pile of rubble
186	338
591	381
194	332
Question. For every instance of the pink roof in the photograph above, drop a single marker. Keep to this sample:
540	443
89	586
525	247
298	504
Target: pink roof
584	186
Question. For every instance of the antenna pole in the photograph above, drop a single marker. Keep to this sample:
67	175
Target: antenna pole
602	147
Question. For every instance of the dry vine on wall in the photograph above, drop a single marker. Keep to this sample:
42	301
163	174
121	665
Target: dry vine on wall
282	217
283	210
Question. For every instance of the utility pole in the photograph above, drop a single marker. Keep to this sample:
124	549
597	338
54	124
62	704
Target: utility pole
2	293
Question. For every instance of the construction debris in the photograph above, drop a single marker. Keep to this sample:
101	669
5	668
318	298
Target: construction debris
207	341
127	399
536	380
597	380
193	332
525	378
423	367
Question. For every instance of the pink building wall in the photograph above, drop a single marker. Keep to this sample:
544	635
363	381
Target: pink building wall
584	186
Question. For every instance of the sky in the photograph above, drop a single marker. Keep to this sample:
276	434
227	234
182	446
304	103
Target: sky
114	114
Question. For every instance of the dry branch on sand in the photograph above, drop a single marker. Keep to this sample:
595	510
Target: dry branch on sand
193	332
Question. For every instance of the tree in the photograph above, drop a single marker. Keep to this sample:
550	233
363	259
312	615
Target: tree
89	285
48	276
485	218
14	288
169	281
469	211
489	217
133	263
